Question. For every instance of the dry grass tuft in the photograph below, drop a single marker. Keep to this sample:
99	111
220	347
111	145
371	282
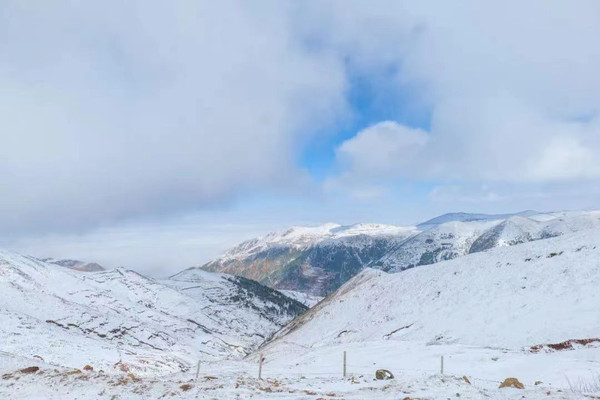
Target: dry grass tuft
512	382
185	387
585	385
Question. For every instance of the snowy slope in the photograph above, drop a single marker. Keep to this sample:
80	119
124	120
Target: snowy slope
510	297
122	320
441	242
304	298
518	229
454	239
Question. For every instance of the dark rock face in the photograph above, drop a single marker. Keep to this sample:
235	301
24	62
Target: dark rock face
29	370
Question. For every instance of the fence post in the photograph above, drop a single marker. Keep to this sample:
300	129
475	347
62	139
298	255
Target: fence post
442	365
344	364
197	371
260	362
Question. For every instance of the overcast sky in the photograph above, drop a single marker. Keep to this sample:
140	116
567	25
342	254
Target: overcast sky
154	135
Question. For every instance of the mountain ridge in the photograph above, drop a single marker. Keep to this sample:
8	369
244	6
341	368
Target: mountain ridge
122	319
317	260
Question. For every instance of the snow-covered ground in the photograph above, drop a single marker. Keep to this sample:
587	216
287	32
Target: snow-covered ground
529	311
304	298
318	375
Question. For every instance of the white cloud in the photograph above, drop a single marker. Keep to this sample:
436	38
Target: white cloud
379	152
111	110
462	194
512	87
382	148
511	197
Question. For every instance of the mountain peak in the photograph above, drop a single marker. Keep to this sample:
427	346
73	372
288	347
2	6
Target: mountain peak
469	217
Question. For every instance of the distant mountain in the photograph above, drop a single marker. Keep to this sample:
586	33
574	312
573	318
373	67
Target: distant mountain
119	320
75	264
470	217
441	242
318	260
314	260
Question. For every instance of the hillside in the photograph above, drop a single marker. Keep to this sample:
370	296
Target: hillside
510	297
119	319
441	242
529	311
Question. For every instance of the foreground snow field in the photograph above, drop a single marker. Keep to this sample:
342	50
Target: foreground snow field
318	375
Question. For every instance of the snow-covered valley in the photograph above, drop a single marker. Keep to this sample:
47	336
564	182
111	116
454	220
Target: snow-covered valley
527	311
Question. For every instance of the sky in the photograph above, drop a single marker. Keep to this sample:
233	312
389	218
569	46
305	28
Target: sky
155	135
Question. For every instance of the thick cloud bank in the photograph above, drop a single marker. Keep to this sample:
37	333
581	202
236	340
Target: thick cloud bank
111	110
115	109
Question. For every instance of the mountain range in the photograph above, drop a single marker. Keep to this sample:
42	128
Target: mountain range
497	296
318	260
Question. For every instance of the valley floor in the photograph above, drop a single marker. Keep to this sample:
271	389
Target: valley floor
317	374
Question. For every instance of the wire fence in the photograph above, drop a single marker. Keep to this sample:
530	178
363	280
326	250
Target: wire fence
274	369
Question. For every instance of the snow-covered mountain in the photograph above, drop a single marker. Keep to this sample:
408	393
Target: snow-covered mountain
441	242
454	239
314	260
120	320
537	293
75	264
524	310
317	260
